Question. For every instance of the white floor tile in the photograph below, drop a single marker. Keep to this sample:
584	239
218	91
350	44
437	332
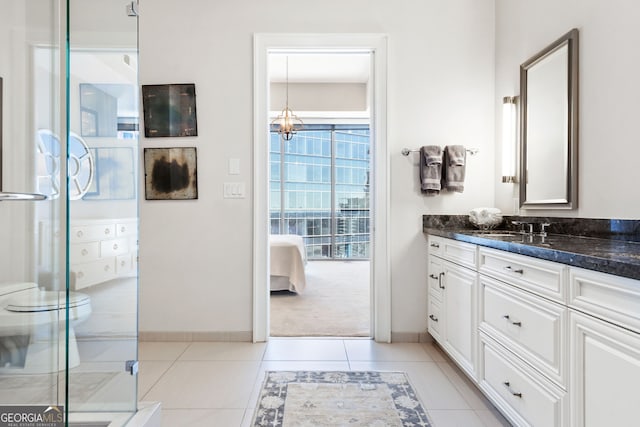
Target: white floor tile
202	417
435	352
104	350
455	418
364	350
305	349
218	383
224	351
492	418
469	391
149	374
161	350
206	385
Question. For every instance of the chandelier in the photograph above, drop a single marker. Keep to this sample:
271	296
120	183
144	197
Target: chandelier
288	123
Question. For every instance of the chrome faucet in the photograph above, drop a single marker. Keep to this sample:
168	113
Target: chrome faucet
543	228
524	225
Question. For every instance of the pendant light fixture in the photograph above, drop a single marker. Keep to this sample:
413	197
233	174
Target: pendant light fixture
288	123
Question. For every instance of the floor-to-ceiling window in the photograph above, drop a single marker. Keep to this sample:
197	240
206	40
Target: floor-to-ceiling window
319	184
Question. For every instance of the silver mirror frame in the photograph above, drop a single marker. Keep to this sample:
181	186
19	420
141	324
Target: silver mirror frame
570	40
1	131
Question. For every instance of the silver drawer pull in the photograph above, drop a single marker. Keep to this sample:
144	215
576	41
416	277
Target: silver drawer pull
435	245
508	386
511	269
432	317
506	316
84	252
440	285
107	231
433	276
115	246
107	268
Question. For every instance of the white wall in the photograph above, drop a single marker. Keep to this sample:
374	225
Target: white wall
195	256
609	143
319	96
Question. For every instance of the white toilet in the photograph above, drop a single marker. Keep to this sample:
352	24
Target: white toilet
32	328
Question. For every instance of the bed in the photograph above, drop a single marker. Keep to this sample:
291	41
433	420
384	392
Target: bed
288	258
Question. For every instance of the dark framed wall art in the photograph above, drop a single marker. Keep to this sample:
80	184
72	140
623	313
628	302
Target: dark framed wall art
169	110
170	173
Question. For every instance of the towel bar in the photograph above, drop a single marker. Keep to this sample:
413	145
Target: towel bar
406	151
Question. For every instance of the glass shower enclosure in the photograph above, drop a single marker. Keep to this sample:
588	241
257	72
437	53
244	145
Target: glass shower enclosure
68	211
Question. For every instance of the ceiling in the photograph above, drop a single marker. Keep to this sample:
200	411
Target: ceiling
312	67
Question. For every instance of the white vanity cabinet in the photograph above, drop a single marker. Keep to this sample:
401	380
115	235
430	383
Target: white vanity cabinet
453	300
523	337
550	345
605	349
101	250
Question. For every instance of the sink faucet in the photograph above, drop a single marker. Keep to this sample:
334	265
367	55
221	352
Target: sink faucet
524	225
543	228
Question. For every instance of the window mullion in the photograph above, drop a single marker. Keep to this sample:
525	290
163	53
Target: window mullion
282	180
334	225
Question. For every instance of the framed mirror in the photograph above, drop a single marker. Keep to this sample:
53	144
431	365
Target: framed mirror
549	126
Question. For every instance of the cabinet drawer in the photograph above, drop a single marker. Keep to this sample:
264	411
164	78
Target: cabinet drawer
88	273
524	395
83	233
542	277
435	244
124	265
459	252
114	247
127	229
435	320
530	326
83	252
612	298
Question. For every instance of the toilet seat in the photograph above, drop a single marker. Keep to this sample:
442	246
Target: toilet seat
45	301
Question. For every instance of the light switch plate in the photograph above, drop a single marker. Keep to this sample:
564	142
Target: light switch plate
234	166
234	190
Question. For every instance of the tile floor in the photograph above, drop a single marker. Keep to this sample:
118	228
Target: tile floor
217	384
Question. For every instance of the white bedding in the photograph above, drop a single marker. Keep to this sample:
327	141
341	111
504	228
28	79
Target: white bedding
288	258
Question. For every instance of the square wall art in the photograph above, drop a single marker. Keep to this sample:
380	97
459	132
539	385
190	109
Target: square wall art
169	110
170	173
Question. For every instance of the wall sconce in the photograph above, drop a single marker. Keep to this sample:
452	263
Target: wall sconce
509	138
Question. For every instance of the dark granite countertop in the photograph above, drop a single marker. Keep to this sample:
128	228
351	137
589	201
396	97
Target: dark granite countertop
608	255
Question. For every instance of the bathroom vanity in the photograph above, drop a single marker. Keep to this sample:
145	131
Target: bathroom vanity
547	326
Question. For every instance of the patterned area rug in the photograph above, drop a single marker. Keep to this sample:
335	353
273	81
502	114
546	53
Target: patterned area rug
316	398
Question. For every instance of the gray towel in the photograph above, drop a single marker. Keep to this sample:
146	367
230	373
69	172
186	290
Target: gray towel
430	169
453	170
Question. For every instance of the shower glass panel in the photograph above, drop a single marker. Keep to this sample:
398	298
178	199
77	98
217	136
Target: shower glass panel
68	208
32	232
103	205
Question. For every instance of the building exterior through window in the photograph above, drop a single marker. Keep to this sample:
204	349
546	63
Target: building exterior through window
319	189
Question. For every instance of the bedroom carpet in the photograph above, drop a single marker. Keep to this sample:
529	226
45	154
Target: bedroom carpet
316	398
335	303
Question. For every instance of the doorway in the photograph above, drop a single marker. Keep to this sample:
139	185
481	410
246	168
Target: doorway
375	47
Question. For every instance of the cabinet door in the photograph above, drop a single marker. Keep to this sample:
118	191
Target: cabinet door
436	287
460	314
605	373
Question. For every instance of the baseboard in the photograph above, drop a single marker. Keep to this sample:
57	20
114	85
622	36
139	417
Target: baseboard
411	337
186	336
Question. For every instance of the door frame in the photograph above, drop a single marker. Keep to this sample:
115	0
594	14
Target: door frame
376	44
